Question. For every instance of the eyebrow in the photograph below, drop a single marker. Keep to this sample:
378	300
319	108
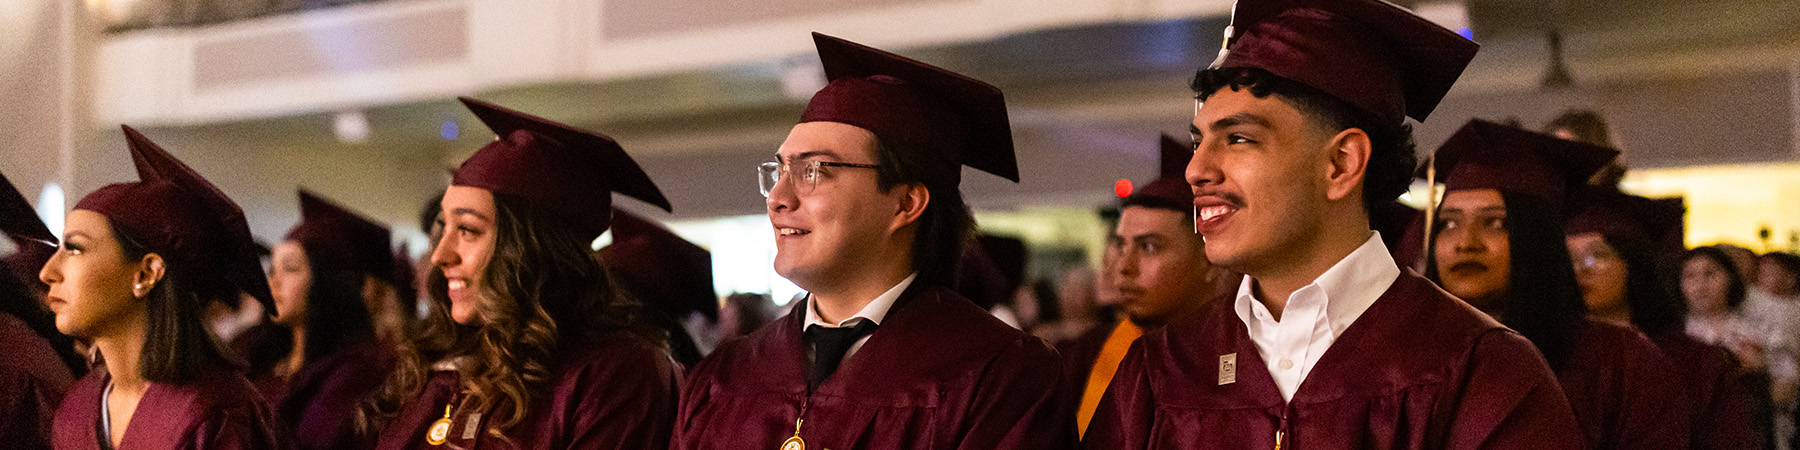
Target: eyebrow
468	212
1233	120
1481	209
810	154
75	234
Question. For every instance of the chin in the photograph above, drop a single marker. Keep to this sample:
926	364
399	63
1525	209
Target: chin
463	315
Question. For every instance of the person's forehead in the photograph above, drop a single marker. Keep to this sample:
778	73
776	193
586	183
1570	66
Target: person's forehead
1227	102
1472	200
829	141
1135	221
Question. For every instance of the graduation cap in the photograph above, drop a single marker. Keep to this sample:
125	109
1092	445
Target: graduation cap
1370	53
176	213
1487	155
34	242
1602	209
330	227
952	118
1170	185
674	275
562	169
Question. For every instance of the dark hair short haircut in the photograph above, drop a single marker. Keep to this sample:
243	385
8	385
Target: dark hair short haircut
1543	301
1735	291
1392	155
947	225
1144	201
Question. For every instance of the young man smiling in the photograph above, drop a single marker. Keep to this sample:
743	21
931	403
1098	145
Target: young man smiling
864	203
1299	128
1161	273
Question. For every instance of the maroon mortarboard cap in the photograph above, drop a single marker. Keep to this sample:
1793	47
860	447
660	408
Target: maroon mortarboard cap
1652	222
1377	56
1170	185
673	274
330	227
954	119
176	213
1609	212
19	221
1668	223
1487	155
561	169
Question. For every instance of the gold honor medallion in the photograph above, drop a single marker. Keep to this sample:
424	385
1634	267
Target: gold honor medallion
795	443
440	430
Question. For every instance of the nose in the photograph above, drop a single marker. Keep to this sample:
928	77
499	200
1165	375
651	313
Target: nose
1128	263
49	274
1202	168
782	197
1469	241
444	253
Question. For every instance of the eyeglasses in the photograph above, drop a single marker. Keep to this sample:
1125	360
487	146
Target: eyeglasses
771	173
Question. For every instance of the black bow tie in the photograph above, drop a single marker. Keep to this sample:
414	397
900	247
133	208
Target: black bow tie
829	345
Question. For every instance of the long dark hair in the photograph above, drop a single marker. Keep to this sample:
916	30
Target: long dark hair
336	317
19	299
1543	300
543	286
178	345
1654	309
1735	291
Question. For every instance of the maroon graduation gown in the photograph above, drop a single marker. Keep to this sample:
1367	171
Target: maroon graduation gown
218	411
1625	393
319	403
1078	356
1720	400
33	379
610	391
938	373
1418	370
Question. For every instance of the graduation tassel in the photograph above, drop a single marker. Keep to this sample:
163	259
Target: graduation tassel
1225	44
1431	205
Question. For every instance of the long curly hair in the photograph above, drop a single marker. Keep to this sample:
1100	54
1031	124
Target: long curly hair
543	286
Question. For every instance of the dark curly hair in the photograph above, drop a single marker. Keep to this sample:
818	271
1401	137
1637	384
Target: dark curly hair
1392	156
543	286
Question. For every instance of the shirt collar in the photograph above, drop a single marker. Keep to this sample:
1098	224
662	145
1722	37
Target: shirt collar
875	311
1350	286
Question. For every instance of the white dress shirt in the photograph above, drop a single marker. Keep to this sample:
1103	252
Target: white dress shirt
1317	313
875	311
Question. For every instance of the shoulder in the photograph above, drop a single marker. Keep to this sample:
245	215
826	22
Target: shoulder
947	318
616	354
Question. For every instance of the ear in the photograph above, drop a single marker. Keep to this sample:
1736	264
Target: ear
150	271
913	200
1349	163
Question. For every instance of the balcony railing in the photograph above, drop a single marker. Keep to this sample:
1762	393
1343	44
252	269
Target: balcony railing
128	15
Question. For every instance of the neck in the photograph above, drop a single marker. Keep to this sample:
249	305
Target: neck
1272	286
1617	315
843	300
122	351
298	355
